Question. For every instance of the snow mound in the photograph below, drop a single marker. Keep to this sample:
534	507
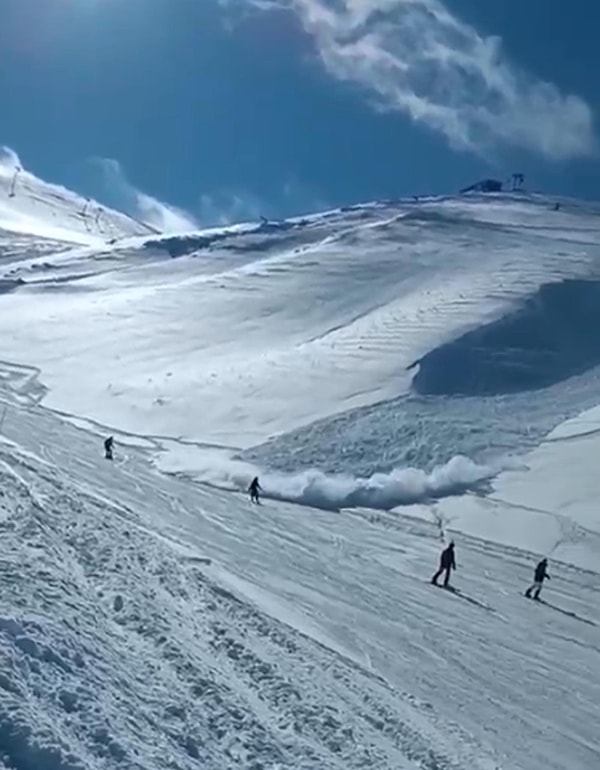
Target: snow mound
547	339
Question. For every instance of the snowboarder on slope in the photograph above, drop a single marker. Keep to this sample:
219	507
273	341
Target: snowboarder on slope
254	489
108	448
541	573
447	563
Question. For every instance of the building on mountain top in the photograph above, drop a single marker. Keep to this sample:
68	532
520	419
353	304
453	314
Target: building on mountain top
484	186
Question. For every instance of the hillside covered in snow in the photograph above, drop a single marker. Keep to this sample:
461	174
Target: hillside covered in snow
397	373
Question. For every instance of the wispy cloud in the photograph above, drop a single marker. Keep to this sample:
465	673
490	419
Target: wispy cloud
227	208
136	203
299	198
221	207
419	58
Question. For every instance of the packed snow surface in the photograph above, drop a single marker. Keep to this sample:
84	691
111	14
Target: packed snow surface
420	358
148	622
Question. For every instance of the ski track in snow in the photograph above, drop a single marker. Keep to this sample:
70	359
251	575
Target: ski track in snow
108	620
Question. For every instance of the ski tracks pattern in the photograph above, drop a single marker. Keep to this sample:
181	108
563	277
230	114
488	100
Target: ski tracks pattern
116	651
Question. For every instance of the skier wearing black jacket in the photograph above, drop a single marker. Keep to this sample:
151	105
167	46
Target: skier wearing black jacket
447	563
254	489
541	573
108	448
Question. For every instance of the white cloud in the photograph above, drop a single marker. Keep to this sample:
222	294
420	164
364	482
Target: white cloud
420	59
229	208
138	204
226	208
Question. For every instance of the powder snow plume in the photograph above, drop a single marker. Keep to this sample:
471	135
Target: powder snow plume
380	491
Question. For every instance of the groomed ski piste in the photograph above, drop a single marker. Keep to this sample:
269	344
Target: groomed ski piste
363	363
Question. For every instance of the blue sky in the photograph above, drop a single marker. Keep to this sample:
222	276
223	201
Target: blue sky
231	108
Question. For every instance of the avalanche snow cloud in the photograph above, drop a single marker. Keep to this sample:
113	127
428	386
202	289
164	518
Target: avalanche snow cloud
419	58
336	491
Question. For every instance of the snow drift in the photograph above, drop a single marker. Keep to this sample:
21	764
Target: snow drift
548	338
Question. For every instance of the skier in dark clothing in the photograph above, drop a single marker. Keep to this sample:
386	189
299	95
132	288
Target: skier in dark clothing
541	573
447	563
254	489
108	448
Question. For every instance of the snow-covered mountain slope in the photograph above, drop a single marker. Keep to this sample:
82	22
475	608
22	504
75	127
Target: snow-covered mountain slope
253	332
341	337
31	206
149	622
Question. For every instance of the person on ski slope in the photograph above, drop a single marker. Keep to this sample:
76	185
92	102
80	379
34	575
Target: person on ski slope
447	563
108	448
541	573
254	489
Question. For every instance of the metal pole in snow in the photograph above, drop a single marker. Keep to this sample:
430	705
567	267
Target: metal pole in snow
13	183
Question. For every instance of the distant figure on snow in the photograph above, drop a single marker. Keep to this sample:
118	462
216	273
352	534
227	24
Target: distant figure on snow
447	563
254	489
108	448
541	573
518	180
